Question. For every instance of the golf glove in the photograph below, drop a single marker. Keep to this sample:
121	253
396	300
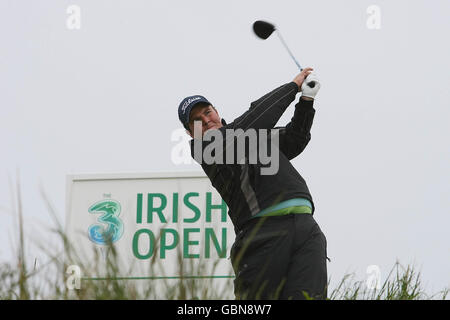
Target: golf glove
307	91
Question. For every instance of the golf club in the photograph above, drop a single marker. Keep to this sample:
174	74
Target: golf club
264	29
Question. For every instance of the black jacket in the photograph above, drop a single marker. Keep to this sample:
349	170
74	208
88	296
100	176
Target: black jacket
241	185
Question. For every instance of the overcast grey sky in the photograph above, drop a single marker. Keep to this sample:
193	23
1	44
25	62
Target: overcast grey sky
104	98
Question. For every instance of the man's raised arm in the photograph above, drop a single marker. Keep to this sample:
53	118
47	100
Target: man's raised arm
265	112
294	138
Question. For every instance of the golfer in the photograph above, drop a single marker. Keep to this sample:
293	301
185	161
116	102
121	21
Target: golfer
279	251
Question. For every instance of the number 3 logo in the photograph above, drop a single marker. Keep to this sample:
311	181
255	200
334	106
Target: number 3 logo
101	234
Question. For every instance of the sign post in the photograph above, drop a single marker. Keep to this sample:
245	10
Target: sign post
160	226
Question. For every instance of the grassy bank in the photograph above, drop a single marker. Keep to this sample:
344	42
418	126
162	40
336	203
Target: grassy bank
53	278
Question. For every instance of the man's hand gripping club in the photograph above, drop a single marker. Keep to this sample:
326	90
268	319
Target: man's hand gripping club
302	80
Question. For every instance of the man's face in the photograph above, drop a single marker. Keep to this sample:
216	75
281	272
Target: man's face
207	115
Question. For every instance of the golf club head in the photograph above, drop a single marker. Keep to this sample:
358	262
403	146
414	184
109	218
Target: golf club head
263	29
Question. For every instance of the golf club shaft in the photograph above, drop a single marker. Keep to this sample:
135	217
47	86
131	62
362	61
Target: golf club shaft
287	48
311	84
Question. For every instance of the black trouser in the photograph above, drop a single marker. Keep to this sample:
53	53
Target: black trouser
280	258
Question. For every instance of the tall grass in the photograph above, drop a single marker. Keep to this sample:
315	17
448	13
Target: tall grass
22	279
402	283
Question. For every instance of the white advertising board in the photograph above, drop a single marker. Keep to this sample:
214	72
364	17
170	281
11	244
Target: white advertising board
161	225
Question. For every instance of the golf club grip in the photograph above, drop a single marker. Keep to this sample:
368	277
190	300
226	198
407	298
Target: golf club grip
311	84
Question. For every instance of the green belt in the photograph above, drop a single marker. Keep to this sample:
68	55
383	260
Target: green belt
292	206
